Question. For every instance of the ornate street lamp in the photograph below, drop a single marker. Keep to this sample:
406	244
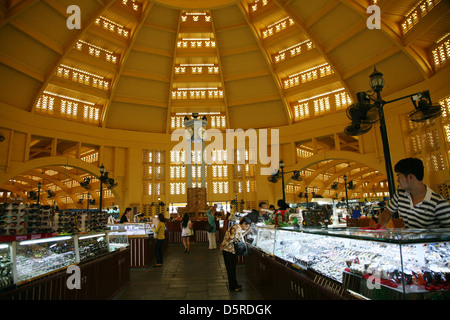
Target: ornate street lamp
369	109
102	179
110	184
39	185
279	174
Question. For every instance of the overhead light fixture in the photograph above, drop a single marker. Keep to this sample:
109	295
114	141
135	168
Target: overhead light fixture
376	80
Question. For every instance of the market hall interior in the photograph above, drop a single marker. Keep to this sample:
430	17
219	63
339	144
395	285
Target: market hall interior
93	98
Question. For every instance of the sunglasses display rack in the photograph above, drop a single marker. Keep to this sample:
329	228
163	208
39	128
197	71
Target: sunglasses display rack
13	218
40	219
67	221
94	221
18	219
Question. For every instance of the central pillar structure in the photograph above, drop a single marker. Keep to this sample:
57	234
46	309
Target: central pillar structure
196	133
195	166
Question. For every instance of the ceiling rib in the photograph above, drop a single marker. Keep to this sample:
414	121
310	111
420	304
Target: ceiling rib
124	57
77	35
277	81
318	45
222	80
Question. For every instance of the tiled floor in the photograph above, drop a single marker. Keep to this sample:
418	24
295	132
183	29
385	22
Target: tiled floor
198	275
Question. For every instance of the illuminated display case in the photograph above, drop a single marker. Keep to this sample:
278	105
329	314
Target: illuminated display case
132	229
91	246
6	266
117	240
38	257
25	260
265	239
388	264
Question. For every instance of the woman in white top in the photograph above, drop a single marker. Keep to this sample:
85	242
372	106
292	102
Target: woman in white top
186	231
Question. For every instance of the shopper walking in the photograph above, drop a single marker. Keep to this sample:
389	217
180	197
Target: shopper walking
159	231
233	234
186	232
212	221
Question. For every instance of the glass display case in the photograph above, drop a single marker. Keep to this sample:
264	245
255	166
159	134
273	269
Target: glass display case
34	258
6	266
31	256
265	239
117	240
132	229
91	246
389	264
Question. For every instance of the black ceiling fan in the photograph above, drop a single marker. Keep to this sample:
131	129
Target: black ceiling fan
357	129
274	177
425	109
363	114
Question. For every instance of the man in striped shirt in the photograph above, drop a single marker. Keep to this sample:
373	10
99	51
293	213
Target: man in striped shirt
418	205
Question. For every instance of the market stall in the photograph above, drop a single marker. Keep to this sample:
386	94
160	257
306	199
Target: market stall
142	242
351	263
37	266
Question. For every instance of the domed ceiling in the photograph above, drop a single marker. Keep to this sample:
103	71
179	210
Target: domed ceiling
136	64
142	65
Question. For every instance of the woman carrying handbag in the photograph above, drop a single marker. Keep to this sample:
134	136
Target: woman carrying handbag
233	235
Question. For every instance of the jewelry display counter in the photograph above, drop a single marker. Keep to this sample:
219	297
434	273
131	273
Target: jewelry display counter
42	262
140	237
141	242
133	229
388	264
118	240
6	266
